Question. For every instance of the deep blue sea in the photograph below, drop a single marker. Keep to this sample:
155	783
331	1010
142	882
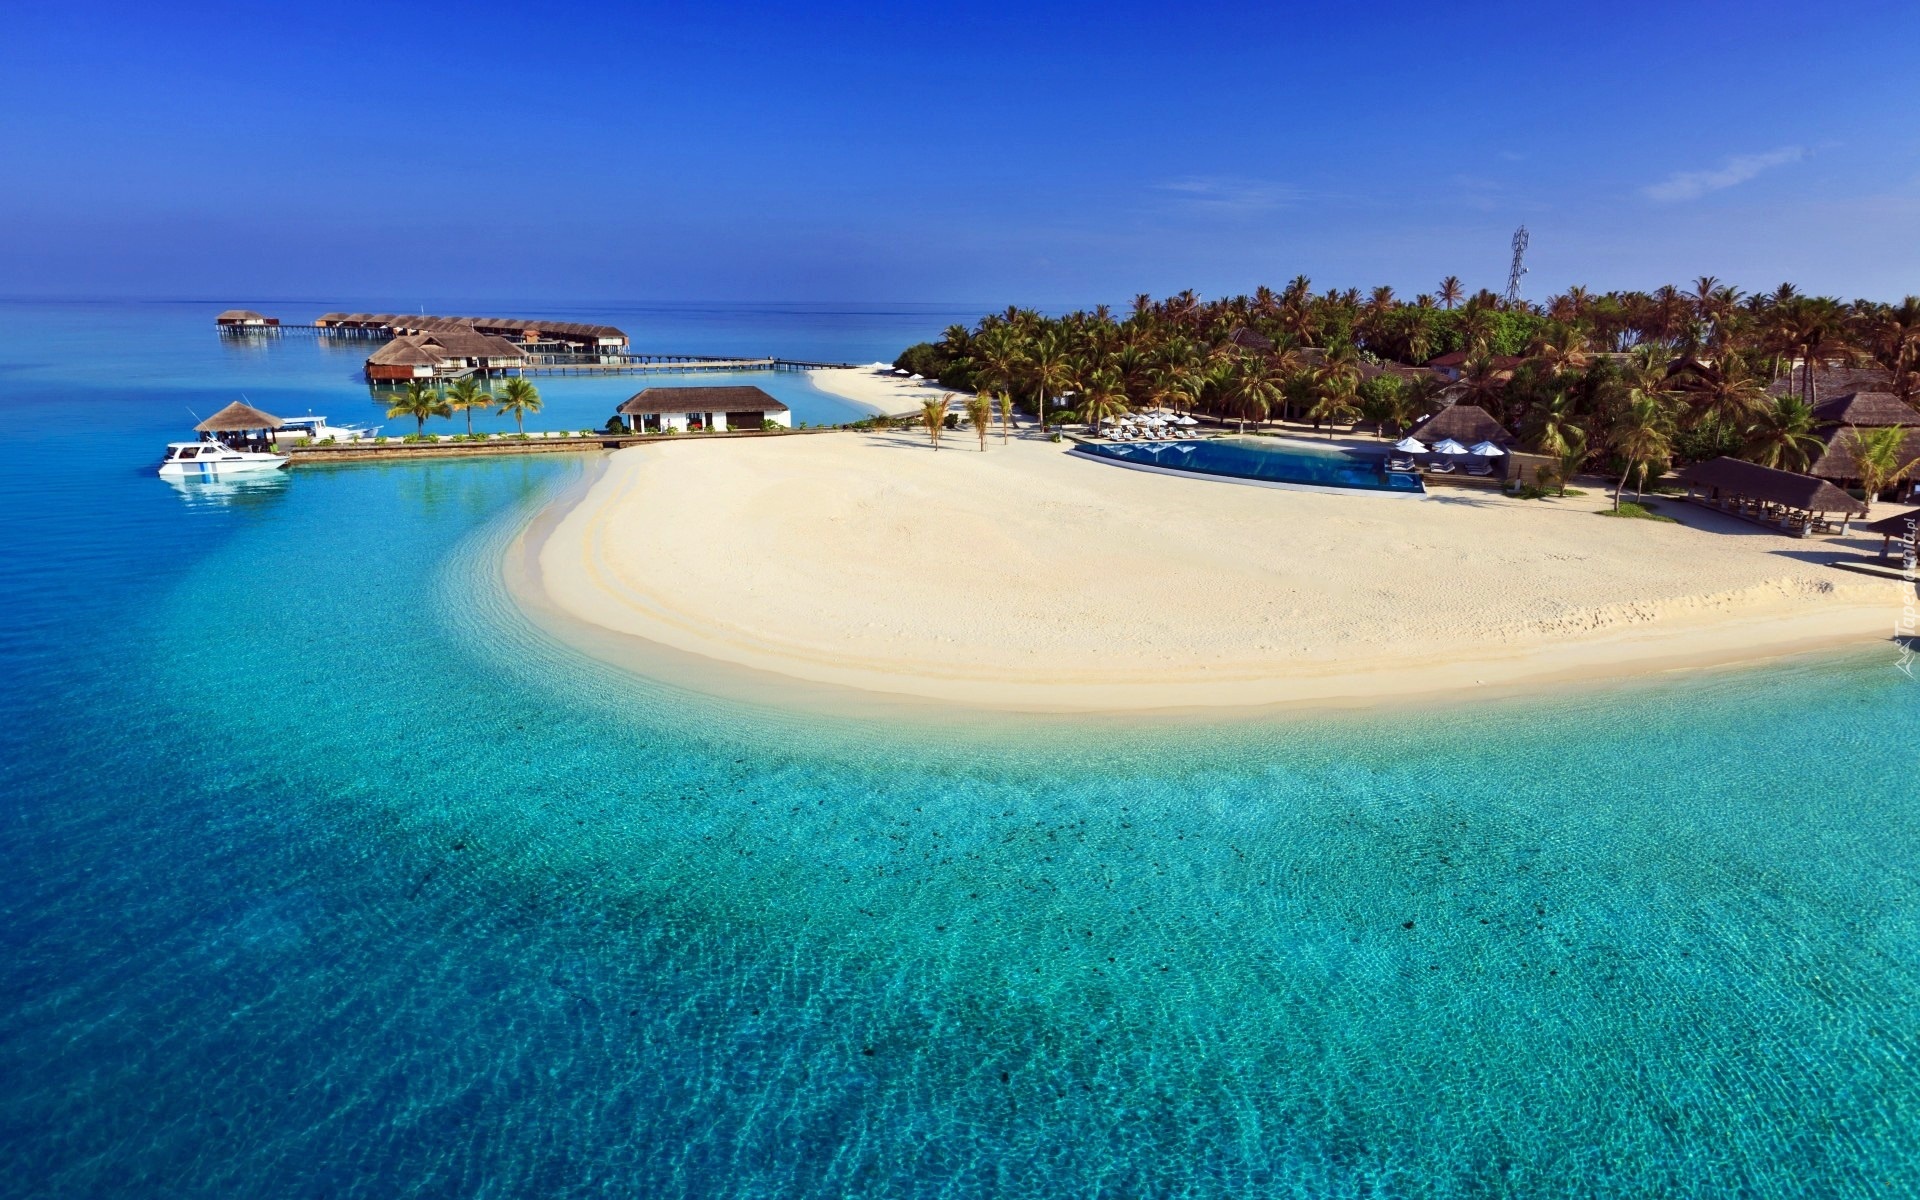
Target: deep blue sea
326	874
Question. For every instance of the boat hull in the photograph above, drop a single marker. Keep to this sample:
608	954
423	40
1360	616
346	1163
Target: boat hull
215	468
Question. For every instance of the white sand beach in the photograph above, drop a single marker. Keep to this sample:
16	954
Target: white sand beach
879	389
1028	578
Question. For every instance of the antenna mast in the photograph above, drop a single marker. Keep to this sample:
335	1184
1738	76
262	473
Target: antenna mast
1519	267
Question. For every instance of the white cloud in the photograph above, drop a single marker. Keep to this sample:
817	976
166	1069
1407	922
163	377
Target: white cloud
1228	196
1691	185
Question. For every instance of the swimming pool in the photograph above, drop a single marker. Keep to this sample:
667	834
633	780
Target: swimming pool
1262	460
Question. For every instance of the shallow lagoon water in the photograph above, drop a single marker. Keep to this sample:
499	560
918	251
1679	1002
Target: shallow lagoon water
328	873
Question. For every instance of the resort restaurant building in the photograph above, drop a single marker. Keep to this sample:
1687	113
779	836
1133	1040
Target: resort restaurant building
1795	504
719	409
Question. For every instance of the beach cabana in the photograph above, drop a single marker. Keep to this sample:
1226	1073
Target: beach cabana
239	425
1467	424
679	409
1796	504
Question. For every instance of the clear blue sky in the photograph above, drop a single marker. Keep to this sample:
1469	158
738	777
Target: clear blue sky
1031	153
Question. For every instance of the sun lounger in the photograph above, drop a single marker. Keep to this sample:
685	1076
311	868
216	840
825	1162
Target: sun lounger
1401	464
1479	469
1440	466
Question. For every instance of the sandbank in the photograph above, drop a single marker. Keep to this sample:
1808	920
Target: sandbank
1027	578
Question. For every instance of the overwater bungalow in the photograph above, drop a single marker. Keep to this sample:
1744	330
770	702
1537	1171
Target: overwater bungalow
442	355
1795	504
244	318
660	409
558	336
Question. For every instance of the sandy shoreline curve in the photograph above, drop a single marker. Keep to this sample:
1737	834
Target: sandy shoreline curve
1023	578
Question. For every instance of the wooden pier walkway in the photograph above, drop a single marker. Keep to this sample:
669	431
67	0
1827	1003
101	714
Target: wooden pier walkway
537	443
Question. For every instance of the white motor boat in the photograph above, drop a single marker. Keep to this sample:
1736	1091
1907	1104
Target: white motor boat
215	459
315	429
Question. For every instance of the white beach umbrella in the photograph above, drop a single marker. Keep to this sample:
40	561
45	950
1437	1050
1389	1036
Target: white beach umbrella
899	370
1449	446
915	378
1186	421
1409	445
1487	450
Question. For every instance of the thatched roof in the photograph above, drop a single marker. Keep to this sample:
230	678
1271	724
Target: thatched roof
240	314
237	418
700	399
436	349
406	351
1468	424
1865	408
1829	382
1249	339
1837	461
1900	525
1737	477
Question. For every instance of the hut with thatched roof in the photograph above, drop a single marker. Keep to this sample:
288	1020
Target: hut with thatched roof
1796	504
239	425
244	318
1468	424
664	409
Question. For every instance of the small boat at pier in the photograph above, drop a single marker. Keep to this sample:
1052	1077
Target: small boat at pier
213	458
237	440
316	430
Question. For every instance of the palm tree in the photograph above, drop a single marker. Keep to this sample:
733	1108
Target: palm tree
1251	387
1554	425
467	395
419	401
1104	398
980	412
1726	392
934	414
1641	436
1337	402
1050	369
519	397
1451	290
1877	455
1782	436
1006	415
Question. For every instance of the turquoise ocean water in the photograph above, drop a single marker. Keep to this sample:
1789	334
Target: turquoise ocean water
326	874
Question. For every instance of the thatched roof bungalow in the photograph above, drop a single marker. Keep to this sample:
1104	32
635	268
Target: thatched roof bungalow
244	318
1468	424
430	355
677	409
1902	529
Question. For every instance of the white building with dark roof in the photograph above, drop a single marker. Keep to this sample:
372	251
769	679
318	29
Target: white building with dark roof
719	409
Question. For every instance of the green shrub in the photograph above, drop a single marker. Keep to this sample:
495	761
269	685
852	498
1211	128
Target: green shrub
1637	512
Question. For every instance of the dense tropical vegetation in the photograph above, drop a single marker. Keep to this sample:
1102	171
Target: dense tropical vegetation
1624	382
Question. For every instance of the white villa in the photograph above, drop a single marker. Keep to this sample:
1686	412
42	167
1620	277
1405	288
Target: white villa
719	409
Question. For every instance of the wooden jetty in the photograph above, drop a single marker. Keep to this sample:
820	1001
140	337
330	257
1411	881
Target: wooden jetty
536	443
